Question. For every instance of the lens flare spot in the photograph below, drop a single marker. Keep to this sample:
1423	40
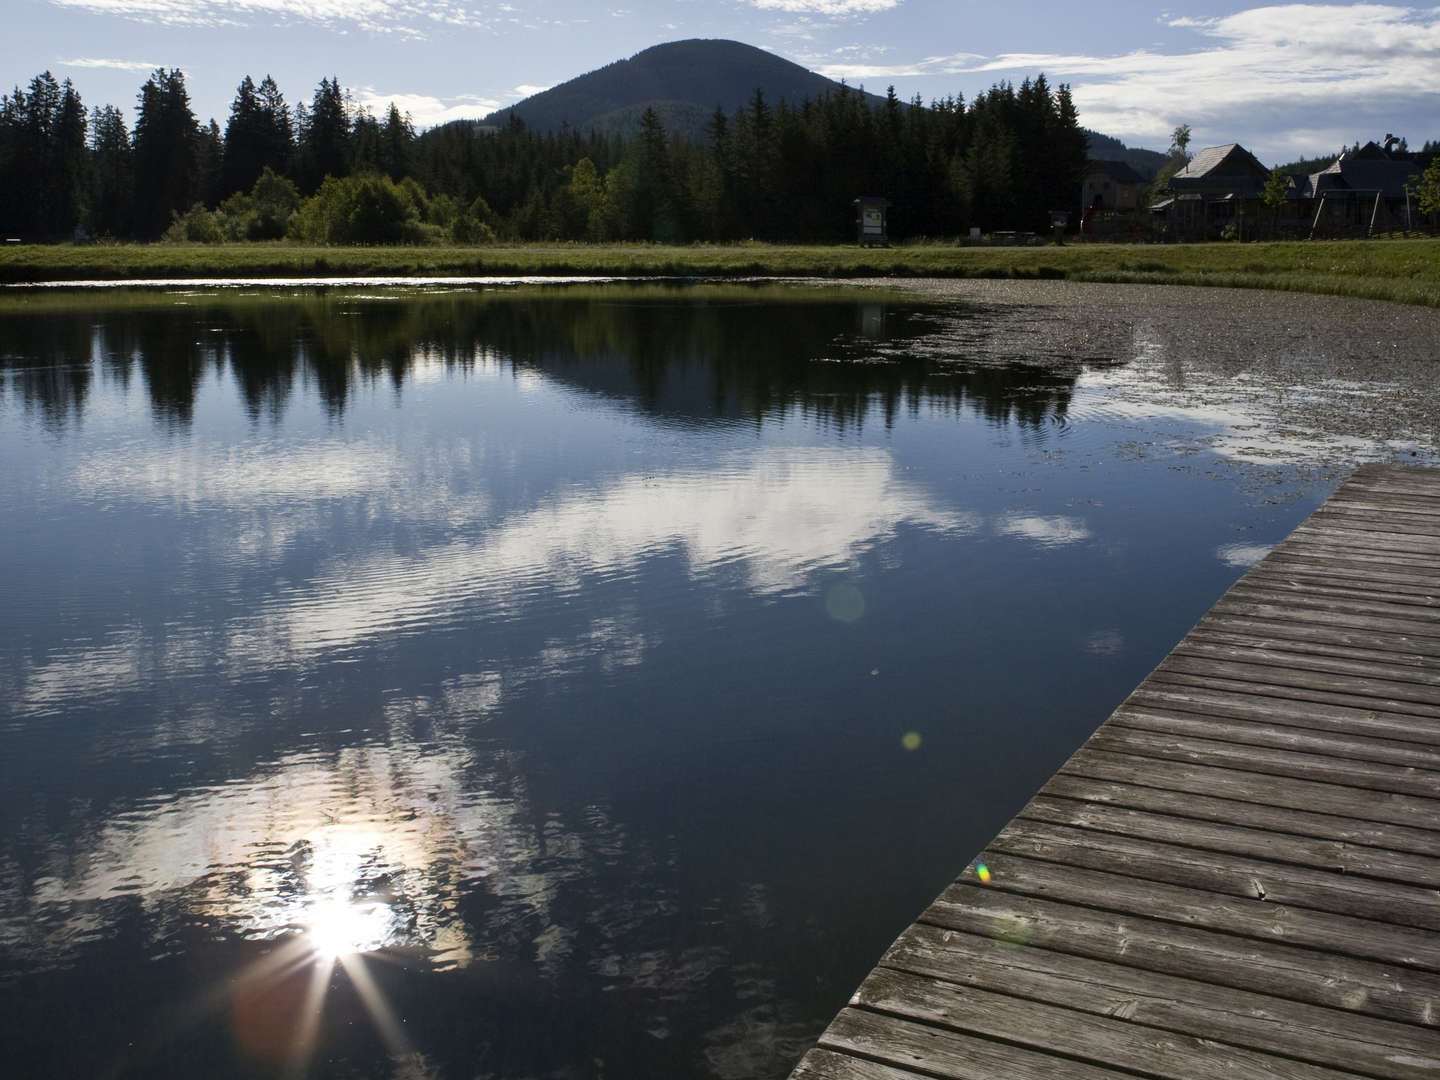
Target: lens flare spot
844	603
983	873
1010	930
910	740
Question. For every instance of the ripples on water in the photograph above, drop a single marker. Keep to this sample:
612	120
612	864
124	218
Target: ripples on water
572	682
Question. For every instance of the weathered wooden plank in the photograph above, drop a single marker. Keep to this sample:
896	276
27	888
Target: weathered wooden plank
1285	582
1363	669
1229	874
1402	650
1292	552
1356	543
941	1053
1360	503
1313	548
1127	810
1392	481
1317	600
1402	697
1300	614
1286	971
1243	786
1247	701
1278	583
1368	775
1123	780
821	1064
1366	939
1072	1033
1370	538
1414	667
1369	1046
1385	576
1393	519
1169	677
1277	736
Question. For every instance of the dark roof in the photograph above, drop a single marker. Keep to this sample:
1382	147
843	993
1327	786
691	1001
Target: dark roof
1228	169
1118	171
1368	170
1232	158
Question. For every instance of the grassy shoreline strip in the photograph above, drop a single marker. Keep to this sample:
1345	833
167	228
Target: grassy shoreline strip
1405	271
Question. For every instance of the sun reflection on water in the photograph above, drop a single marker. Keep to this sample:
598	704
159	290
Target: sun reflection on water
339	928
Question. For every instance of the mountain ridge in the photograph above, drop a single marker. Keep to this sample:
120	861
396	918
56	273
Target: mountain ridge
685	81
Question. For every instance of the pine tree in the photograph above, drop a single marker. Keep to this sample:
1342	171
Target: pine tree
243	141
277	146
111	175
166	153
396	143
324	147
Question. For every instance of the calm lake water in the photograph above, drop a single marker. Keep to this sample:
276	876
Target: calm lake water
569	682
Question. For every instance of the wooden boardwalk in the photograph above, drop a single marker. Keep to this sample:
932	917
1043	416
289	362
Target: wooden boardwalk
1238	875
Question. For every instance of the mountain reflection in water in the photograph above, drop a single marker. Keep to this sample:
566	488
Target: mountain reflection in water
579	682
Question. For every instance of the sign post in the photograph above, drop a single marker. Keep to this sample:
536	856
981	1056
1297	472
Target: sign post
1059	222
870	221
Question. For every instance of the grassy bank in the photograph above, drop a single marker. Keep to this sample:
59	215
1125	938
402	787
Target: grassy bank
1407	271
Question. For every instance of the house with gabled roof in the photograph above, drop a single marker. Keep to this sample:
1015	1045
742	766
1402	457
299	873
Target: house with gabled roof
1216	188
1110	185
1110	193
1366	190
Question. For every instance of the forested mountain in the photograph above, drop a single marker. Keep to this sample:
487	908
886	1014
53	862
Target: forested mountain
684	82
1106	148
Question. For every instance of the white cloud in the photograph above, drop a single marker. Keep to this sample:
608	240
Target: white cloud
115	65
525	90
426	111
1242	556
831	8
381	16
779	518
952	64
1054	531
1293	76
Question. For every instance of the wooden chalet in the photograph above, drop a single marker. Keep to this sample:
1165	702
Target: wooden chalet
1110	196
1218	188
1365	191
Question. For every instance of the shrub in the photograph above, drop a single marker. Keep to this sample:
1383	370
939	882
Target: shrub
196	226
367	209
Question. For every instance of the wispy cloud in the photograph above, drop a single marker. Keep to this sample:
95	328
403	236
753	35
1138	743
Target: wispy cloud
852	70
114	65
825	7
1293	72
412	17
829	8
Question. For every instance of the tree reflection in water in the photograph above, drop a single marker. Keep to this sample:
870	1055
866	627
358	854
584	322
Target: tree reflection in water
735	355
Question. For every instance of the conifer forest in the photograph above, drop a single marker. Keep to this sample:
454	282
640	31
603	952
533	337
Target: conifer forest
326	171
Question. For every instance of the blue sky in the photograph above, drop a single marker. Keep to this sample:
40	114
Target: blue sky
1283	79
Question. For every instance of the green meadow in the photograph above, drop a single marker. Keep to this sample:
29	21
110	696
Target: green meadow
1402	270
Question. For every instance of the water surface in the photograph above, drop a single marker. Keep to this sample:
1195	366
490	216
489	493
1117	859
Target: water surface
563	682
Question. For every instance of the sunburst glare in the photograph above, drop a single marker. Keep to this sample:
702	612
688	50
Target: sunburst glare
338	928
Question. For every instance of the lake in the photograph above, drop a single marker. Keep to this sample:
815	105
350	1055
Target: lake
482	680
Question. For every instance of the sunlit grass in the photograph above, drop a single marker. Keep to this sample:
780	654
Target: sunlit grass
1407	271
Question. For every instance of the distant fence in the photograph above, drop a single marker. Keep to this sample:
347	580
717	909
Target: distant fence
1250	228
